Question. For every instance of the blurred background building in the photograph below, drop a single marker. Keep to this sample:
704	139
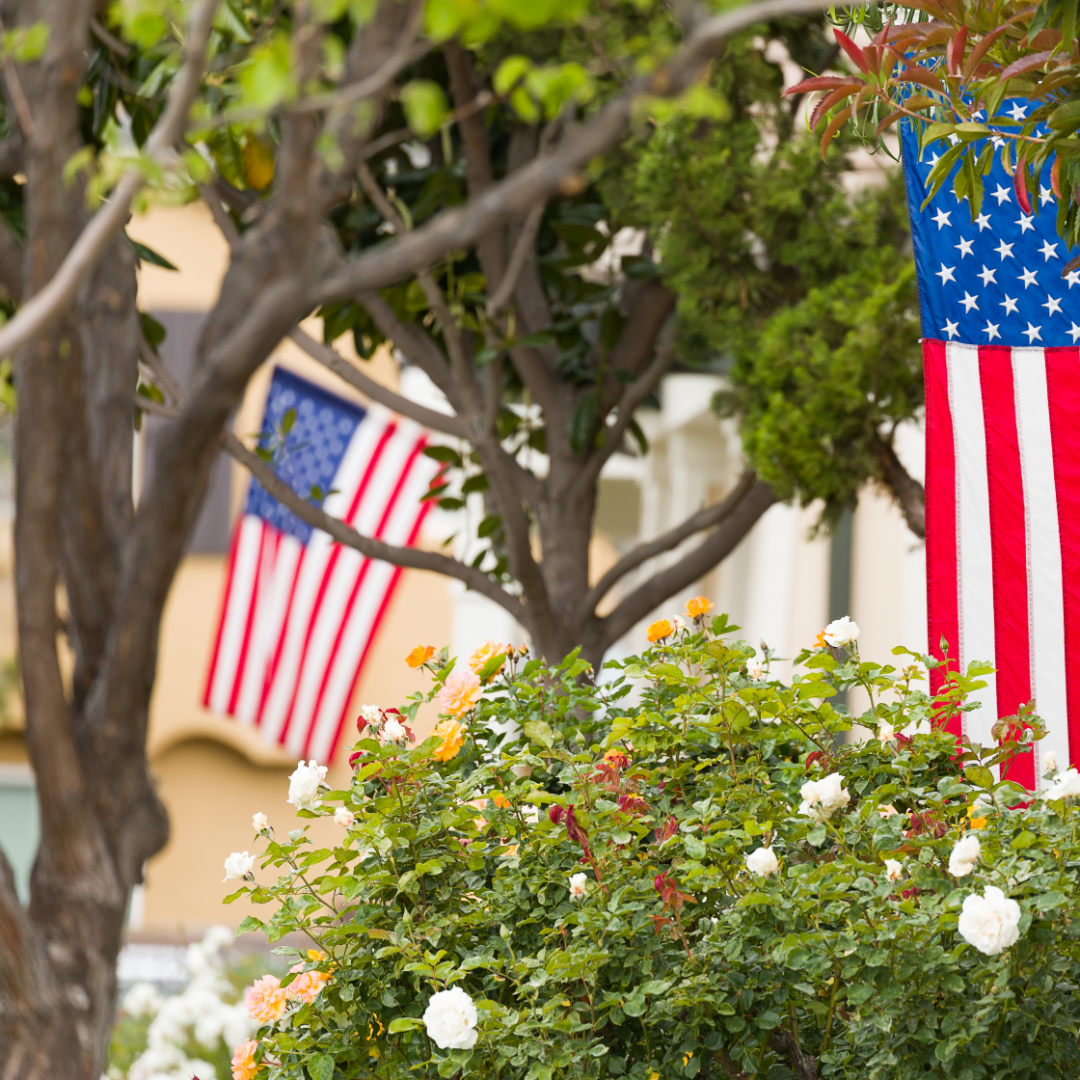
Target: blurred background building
781	586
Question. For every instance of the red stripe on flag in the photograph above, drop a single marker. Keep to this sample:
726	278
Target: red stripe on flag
941	548
221	618
391	588
249	622
328	570
391	503
1008	542
1063	391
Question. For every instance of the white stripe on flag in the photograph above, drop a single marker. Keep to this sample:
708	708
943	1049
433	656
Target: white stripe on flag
1045	588
234	618
269	619
976	566
327	620
361	623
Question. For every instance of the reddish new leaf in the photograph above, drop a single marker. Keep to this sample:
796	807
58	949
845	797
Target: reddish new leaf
822	82
1026	64
835	124
890	120
923	78
826	103
1020	185
1055	177
954	52
855	54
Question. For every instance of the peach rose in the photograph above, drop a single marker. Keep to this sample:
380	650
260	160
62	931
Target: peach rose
264	1000
244	1066
453	738
460	693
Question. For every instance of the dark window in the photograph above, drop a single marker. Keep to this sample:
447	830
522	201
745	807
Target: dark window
182	330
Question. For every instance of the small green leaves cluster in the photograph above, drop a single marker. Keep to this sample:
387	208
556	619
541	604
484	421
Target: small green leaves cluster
657	782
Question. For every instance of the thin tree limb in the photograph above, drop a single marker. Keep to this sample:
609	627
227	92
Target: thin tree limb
344	534
114	44
161	373
227	227
704	519
716	547
333	361
42	308
517	194
523	249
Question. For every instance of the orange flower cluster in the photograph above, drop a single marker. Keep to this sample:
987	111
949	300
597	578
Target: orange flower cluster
659	630
420	656
486	652
244	1066
452	735
265	1000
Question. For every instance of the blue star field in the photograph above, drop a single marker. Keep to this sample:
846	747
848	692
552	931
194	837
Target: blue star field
996	280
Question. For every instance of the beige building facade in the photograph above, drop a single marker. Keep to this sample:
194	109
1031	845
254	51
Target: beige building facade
213	774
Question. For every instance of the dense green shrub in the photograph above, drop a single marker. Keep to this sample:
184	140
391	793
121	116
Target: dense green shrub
686	871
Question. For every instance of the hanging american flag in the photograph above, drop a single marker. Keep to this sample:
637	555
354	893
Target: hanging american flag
300	612
1002	364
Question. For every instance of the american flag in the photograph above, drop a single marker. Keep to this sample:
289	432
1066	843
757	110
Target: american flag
300	612
1002	364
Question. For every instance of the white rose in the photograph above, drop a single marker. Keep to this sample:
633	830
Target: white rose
762	862
841	632
964	856
522	772
755	670
822	798
531	815
1066	785
812	812
238	864
142	1000
1049	762
577	886
894	869
372	714
259	822
344	817
393	731
886	732
450	1019
304	785
990	922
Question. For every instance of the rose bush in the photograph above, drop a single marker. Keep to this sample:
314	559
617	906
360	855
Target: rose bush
686	871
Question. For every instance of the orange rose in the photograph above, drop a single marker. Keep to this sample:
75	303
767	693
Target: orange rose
244	1066
659	630
264	1000
420	655
486	652
698	607
820	641
453	738
460	693
500	800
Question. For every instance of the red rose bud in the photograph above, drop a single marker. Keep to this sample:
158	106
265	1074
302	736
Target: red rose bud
632	804
555	815
574	830
661	882
354	759
817	755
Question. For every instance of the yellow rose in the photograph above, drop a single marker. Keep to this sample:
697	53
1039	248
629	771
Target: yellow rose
659	630
452	735
420	655
698	607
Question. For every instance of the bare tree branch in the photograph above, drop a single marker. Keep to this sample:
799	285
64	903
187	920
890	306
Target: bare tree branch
523	251
114	44
705	518
335	362
716	547
518	193
152	361
212	196
373	549
57	295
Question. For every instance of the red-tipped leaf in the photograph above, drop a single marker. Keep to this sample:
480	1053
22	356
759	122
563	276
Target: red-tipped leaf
855	54
1055	177
826	103
822	82
1020	185
835	125
923	78
1025	64
954	51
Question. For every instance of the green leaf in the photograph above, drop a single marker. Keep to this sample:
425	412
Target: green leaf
754	899
268	78
445	454
509	73
539	731
859	992
425	106
27	43
816	835
1024	840
321	1067
1050	900
404	1023
979	775
694	847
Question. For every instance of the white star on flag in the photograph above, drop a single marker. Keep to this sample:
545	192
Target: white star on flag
1033	333
983	221
964	247
1004	250
951	328
1048	251
945	273
1075	331
991	329
1002	195
1009	304
1025	223
987	276
1052	304
1028	277
1018	112
941	219
1045	194
970	302
1073	278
